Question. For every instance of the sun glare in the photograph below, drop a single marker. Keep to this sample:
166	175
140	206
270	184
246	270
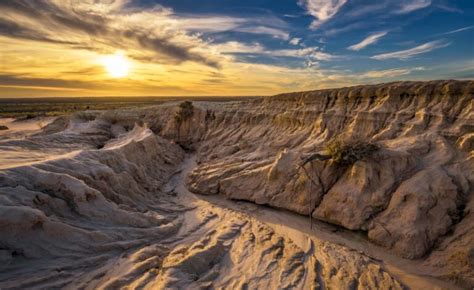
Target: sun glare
117	65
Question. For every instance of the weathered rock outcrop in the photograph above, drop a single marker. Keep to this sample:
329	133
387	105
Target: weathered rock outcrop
89	208
410	196
115	214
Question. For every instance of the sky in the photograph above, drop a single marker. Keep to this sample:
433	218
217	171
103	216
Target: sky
228	47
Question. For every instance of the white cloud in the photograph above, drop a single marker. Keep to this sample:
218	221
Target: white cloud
408	53
458	30
310	52
319	55
293	52
322	10
152	35
238	47
449	8
390	73
156	35
275	32
208	24
295	41
271	26
412	5
367	41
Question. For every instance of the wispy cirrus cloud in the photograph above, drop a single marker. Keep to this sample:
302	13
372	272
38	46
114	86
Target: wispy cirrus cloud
275	32
313	54
236	47
386	8
310	52
371	39
409	53
208	24
390	73
325	10
458	30
448	7
104	26
412	5
322	10
268	25
367	9
57	45
347	28
156	35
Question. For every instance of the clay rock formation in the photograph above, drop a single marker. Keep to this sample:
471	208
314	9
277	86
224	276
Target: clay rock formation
410	196
97	200
115	214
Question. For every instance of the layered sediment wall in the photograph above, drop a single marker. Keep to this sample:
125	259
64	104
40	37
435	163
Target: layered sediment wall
413	196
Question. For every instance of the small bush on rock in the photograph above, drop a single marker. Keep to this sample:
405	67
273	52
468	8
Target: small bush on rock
347	152
186	110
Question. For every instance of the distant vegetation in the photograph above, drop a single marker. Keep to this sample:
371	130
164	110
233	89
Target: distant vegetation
30	108
33	107
347	151
185	111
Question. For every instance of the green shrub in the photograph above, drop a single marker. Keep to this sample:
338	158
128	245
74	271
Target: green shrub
185	111
347	152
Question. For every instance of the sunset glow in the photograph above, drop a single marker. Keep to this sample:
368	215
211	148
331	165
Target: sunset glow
222	48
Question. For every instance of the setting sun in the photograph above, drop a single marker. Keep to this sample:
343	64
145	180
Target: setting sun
117	65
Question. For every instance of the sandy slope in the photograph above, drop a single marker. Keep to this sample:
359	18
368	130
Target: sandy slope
11	156
207	243
108	205
109	218
329	250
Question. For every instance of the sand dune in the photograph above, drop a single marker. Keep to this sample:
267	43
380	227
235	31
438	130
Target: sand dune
106	201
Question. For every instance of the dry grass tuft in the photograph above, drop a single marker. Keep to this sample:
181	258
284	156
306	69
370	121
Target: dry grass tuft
347	152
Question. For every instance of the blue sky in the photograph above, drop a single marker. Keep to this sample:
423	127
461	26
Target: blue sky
230	47
446	26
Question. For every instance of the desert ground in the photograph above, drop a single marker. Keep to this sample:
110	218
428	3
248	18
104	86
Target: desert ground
366	187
